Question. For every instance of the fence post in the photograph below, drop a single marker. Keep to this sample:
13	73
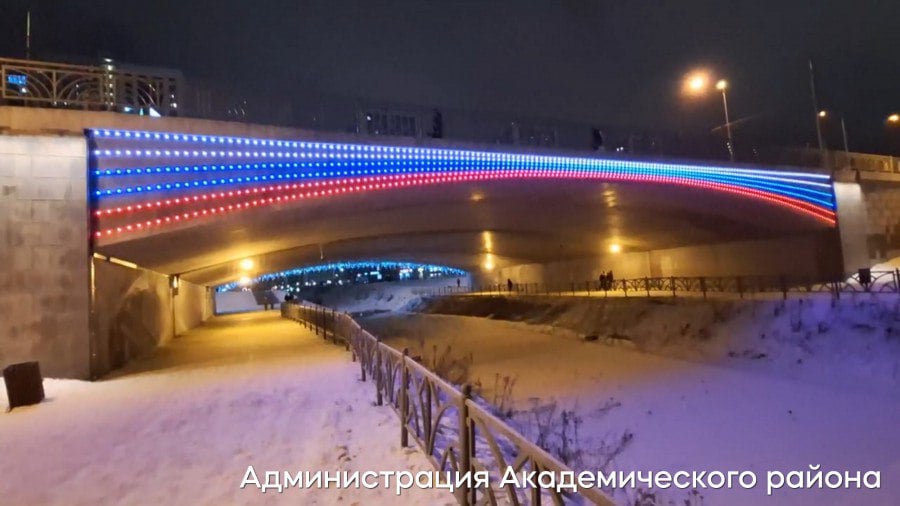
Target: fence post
465	446
672	280
625	287
426	412
404	400
379	377
647	285
333	327
703	287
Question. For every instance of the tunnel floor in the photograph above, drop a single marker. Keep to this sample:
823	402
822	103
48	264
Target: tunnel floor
242	390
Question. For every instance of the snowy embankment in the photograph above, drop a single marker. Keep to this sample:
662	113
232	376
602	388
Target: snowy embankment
687	384
183	426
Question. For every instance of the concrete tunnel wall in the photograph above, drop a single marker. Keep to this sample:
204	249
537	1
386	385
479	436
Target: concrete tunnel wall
136	310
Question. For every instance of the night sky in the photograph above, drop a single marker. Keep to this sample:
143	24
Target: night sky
610	62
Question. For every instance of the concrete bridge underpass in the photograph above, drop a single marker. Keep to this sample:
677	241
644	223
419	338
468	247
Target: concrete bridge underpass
135	219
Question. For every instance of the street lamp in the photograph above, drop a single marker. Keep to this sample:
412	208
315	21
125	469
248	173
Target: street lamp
894	119
823	114
697	83
722	86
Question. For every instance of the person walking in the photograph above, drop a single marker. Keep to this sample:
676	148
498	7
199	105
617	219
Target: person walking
509	285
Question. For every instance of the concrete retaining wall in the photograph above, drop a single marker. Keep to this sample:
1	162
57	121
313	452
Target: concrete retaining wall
814	255
44	274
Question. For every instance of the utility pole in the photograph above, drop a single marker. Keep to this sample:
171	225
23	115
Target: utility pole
815	103
28	35
844	131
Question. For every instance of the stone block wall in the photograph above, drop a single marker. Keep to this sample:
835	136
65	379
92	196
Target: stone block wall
44	259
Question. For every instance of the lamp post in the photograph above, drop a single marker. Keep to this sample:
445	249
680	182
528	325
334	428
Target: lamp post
722	86
696	84
823	114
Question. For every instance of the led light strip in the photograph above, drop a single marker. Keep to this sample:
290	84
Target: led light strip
433	166
810	195
331	168
363	264
197	198
429	152
387	182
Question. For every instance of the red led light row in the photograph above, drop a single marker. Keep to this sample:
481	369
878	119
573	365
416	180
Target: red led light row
283	193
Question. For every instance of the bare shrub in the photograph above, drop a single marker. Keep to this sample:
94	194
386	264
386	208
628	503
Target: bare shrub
502	395
454	368
556	431
641	497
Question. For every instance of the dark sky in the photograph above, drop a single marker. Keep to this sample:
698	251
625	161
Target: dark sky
613	62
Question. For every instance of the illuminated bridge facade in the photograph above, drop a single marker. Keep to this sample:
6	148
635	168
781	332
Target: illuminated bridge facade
174	206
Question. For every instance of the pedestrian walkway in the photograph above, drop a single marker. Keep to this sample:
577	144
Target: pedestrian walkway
183	426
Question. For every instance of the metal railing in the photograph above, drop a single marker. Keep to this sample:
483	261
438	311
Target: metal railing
673	286
458	433
101	88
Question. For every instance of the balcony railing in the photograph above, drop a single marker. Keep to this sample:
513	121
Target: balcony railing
97	88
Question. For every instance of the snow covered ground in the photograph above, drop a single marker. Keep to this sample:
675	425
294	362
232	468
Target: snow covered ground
722	385
183	426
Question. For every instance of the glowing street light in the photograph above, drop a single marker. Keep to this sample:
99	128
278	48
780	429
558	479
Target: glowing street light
697	83
246	264
894	119
615	248
824	114
722	85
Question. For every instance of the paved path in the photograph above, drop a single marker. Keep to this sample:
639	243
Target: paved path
183	426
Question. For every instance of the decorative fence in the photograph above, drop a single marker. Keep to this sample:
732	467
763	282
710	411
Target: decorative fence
101	88
673	286
456	432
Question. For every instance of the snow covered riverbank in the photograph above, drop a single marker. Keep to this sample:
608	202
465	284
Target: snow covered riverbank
837	408
183	426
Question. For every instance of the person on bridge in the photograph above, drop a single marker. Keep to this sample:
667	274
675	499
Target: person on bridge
609	280
457	282
509	285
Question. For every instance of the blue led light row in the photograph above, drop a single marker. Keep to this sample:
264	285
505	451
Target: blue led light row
426	152
799	192
337	266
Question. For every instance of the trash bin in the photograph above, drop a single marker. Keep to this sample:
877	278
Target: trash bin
24	385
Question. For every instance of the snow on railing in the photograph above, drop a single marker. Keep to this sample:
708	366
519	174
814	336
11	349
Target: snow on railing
456	432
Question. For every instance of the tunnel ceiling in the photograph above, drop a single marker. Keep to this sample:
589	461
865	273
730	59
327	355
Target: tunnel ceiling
450	219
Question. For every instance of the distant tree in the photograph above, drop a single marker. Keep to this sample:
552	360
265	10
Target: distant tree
437	125
596	139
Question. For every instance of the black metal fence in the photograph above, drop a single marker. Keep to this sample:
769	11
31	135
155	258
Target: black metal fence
705	286
456	432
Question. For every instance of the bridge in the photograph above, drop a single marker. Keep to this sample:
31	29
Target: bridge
118	226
